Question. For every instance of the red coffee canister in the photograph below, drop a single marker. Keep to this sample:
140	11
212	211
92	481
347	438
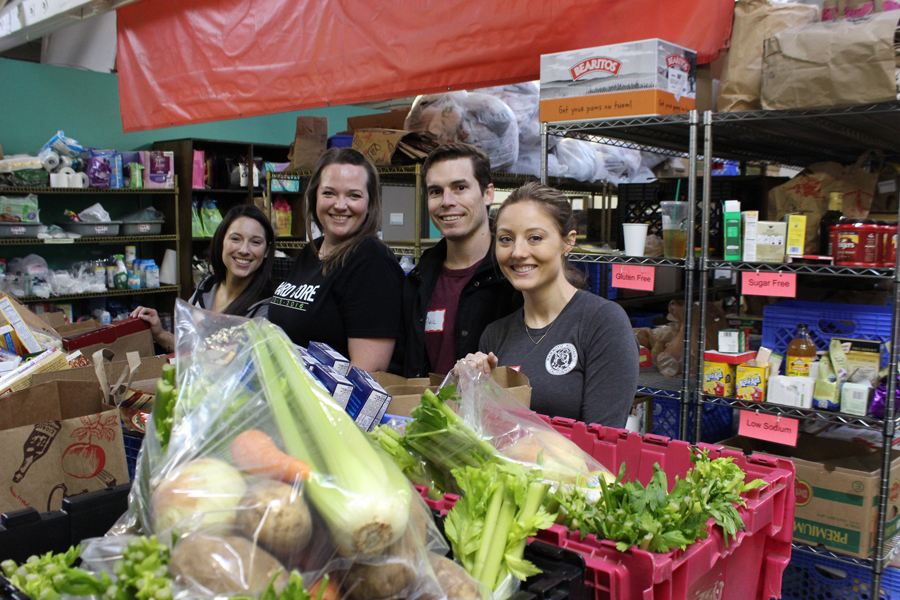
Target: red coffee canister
889	249
832	240
859	243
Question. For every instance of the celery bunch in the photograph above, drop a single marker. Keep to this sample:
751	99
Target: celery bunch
490	524
362	496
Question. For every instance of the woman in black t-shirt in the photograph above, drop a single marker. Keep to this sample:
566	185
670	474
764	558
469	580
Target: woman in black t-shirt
344	287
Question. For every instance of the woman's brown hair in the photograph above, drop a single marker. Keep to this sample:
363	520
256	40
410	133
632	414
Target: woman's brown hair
369	227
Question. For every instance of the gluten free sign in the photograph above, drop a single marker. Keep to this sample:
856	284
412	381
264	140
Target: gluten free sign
633	277
769	284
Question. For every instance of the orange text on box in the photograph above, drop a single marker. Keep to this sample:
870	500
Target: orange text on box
633	277
769	427
769	284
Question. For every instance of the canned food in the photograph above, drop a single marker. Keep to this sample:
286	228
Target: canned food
859	243
832	240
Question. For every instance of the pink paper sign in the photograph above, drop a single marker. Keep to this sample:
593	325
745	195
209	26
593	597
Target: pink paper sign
633	277
771	428
769	284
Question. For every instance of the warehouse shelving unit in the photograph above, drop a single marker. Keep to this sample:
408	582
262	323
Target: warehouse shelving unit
802	137
671	135
117	201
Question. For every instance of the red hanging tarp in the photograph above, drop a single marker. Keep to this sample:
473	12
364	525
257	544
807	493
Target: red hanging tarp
193	61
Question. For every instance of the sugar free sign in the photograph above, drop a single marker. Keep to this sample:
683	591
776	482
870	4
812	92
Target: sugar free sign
633	277
769	284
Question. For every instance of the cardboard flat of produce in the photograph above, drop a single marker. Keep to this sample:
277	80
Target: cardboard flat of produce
837	491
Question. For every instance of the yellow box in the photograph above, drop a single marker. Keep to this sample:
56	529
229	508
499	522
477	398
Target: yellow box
750	381
796	234
718	378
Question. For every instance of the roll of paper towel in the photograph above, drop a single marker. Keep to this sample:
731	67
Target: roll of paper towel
168	272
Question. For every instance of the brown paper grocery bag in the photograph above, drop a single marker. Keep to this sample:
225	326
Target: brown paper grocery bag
836	63
309	143
754	21
58	440
807	194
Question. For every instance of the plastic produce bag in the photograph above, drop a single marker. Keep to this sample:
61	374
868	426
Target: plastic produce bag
94	214
197	229
524	100
257	472
578	160
151	213
484	121
671	360
211	217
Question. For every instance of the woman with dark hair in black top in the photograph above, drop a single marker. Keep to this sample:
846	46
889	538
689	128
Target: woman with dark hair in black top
241	256
344	287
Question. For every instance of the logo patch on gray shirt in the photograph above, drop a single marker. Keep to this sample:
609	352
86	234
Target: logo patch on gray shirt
561	359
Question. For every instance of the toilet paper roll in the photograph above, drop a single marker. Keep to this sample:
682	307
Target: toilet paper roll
168	270
67	171
49	158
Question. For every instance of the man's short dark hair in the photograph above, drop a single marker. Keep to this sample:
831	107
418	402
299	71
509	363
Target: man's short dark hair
481	164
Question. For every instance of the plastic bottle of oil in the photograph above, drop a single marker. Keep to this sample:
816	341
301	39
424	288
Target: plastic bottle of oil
800	353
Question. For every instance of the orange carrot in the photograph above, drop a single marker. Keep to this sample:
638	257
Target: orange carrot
332	590
256	453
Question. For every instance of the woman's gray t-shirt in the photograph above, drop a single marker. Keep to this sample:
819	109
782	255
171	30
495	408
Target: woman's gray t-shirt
586	368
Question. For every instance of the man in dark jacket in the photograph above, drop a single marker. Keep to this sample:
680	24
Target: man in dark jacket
457	288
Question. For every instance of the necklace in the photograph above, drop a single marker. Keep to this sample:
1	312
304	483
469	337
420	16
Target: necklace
540	339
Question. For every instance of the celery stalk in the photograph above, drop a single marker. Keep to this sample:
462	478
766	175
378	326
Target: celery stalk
490	528
497	542
362	496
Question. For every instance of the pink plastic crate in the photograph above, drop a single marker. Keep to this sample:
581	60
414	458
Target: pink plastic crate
748	568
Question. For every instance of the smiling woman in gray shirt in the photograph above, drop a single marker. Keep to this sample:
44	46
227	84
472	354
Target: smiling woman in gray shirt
578	350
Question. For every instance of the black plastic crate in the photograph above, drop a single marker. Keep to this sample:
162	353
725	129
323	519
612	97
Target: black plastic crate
26	532
639	203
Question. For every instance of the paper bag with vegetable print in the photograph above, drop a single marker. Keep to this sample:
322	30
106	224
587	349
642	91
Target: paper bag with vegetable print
807	194
57	440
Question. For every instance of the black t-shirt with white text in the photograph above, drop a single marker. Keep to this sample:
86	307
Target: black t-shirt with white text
360	299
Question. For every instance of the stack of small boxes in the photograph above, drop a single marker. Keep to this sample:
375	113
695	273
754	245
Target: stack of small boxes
751	240
720	368
353	389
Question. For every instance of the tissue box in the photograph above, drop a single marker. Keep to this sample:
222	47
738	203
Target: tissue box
368	401
336	384
327	355
646	77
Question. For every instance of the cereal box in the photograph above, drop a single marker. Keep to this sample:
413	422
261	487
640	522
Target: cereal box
718	378
647	77
750	381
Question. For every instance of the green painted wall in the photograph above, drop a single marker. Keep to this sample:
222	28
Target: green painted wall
38	100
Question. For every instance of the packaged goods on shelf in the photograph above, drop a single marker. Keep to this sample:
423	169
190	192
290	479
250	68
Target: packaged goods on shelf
159	168
770	241
751	380
327	355
647	77
17	209
732	229
796	235
718	378
790	391
750	221
837	486
733	341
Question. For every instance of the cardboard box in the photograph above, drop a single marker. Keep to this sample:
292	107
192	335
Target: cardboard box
750	381
750	220
327	355
58	439
407	393
733	341
718	378
121	337
9	315
647	77
771	237
837	491
53	319
395	119
863	359
731	359
796	234
791	391
21	377
732	232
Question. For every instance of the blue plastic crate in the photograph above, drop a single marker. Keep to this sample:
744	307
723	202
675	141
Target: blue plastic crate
715	426
825	321
813	576
133	443
642	319
594	274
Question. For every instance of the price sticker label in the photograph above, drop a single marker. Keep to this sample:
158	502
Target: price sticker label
100	229
783	285
771	428
17	230
143	228
633	277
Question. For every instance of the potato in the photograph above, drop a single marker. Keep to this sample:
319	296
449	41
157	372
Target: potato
226	565
455	582
277	517
389	579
